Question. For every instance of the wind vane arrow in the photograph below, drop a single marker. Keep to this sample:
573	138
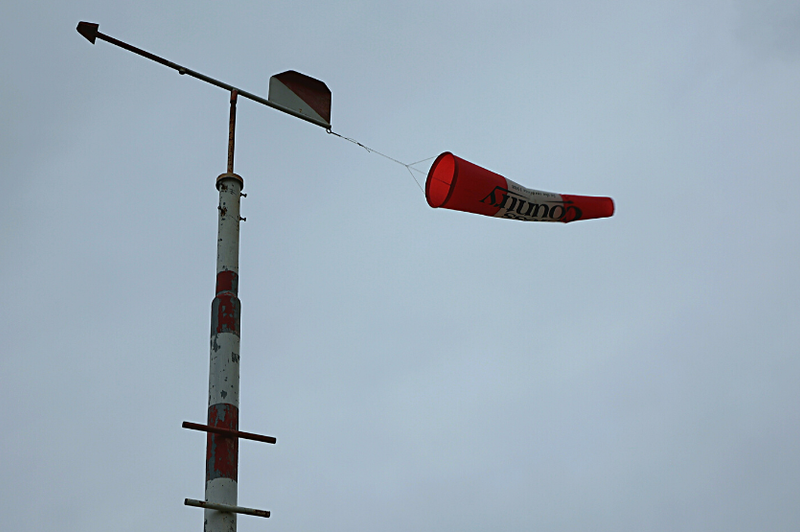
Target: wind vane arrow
88	30
291	92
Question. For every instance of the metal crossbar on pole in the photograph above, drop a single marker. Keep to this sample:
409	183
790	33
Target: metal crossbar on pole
226	508
230	433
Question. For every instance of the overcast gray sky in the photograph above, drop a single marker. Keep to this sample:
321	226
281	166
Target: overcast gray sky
422	369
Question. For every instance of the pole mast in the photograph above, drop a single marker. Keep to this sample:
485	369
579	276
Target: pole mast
222	453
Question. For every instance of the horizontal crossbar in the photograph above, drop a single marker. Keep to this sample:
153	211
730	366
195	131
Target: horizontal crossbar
226	508
230	432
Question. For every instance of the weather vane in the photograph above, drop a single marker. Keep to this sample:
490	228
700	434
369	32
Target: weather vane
452	183
300	96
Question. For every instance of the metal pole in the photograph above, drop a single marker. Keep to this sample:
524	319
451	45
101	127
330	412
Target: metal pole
222	452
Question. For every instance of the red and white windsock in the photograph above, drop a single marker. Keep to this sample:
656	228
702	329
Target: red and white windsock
454	183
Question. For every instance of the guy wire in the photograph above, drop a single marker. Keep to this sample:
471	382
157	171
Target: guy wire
409	167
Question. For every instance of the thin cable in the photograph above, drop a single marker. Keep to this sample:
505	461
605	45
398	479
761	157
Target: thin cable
370	150
422	161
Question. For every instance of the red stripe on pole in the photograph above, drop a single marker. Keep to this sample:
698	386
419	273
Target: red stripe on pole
227	281
225	314
222	452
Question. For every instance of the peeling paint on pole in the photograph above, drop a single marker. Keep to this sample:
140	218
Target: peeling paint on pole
222	451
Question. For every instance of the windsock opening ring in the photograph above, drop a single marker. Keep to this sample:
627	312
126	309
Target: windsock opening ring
441	180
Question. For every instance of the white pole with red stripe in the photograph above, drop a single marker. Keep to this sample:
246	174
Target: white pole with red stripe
222	452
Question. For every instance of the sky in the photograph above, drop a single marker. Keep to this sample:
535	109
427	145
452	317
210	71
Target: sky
421	368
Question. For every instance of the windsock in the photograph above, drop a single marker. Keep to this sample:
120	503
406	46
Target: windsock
454	183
